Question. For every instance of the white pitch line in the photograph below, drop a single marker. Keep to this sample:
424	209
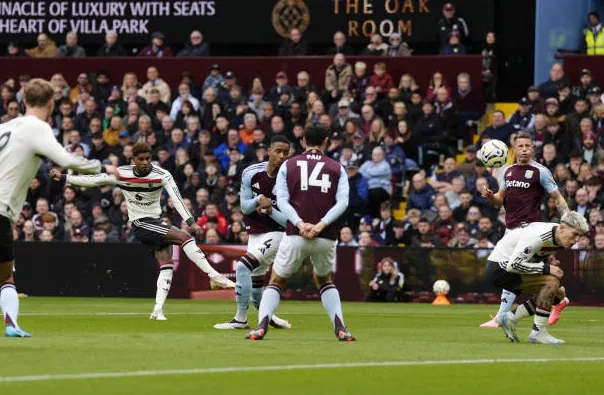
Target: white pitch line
142	373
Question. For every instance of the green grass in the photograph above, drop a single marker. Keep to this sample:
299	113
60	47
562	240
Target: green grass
71	336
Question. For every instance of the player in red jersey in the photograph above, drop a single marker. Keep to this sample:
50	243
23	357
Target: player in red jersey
522	189
312	192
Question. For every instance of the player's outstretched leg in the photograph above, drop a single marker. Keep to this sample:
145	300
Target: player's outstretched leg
545	299
268	305
560	304
507	300
243	291
9	301
330	298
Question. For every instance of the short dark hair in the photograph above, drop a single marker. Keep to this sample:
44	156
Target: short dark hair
523	135
279	139
315	134
141	148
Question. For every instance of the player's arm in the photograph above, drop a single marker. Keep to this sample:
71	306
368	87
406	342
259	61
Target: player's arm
283	198
278	217
547	181
495	198
45	144
94	180
341	200
179	204
524	251
246	196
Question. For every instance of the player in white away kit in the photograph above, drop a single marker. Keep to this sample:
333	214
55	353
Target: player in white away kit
523	262
522	189
24	143
265	225
142	185
312	192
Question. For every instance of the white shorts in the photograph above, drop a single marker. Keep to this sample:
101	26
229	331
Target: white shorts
295	249
264	248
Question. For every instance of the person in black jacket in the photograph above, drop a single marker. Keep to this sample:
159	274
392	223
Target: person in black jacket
449	23
340	46
295	45
111	47
195	47
387	283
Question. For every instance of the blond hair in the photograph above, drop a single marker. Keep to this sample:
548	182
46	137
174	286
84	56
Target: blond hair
38	93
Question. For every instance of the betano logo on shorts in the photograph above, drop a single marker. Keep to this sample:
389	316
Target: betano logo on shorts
517	184
289	14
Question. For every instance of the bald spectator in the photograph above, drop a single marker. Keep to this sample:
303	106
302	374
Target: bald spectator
340	46
157	48
71	49
295	45
195	46
303	88
557	79
111	46
46	48
155	82
337	77
422	195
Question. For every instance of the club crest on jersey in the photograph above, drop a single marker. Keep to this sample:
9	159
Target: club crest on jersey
528	174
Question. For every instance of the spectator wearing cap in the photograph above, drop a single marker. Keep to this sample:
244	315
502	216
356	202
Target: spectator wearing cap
377	172
157	48
552	110
230	80
454	46
214	80
231	200
281	86
344	114
46	48
450	23
340	46
154	81
196	47
337	77
397	46
593	95
557	78
111	47
522	119
499	129
184	93
589	147
358	197
295	45
586	82
376	46
593	43
71	49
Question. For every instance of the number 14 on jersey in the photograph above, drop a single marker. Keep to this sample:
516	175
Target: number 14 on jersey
313	180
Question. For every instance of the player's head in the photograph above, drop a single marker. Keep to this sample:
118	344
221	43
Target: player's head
141	155
278	150
524	148
38	94
572	226
316	136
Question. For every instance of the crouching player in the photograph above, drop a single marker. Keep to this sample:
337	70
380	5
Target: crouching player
522	261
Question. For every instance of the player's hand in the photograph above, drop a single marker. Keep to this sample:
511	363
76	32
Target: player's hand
374	286
553	261
486	193
304	229
196	230
265	205
556	272
317	228
55	175
110	169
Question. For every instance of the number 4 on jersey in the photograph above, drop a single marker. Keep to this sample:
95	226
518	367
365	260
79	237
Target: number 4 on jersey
313	180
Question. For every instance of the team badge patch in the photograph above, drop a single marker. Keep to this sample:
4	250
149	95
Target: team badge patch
528	174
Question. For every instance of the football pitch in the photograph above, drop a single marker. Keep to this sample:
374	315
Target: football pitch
109	346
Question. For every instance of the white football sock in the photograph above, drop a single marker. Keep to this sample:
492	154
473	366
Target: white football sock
197	257
164	281
9	302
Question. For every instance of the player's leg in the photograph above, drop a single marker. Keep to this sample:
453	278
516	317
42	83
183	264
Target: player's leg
9	299
500	278
546	288
164	257
189	247
507	301
257	291
243	290
560	303
290	255
322	257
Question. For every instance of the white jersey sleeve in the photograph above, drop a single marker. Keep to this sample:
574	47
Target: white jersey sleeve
91	180
520	261
179	204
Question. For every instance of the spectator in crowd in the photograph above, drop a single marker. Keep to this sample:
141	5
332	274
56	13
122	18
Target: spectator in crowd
425	238
378	173
184	92
422	195
46	48
593	39
585	83
499	129
395	156
295	45
365	240
347	238
28	232
444	226
387	283
195	47
466	167
337	77
111	47
359	81
12	112
384	228
549	158
214	80
154	81
397	46
454	46
157	48
303	88
340	46
522	119
556	79
358	196
376	47
381	80
581	111
14	50
461	238
436	82
451	23
71	49
281	87
82	85
561	138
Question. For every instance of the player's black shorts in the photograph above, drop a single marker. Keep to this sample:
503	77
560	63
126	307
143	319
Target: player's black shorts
503	279
151	232
7	252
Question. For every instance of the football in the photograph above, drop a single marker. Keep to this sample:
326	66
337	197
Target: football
493	153
441	287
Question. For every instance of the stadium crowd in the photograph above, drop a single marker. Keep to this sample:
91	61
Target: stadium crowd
400	140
